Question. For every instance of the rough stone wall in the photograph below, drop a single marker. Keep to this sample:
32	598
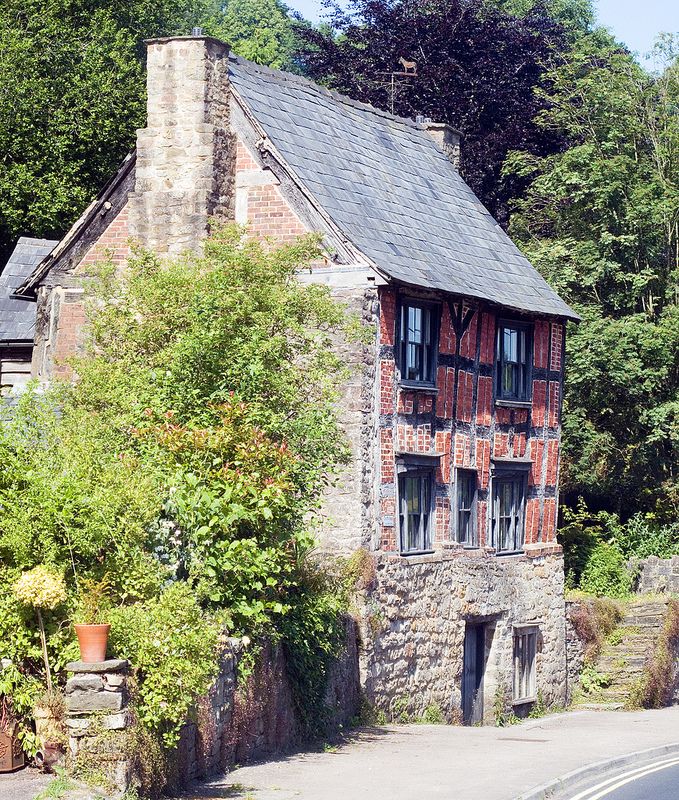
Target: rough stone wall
186	154
413	628
575	651
348	507
657	575
463	423
234	726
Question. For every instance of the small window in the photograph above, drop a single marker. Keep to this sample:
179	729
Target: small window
508	527
513	348
525	647
466	532
415	488
418	342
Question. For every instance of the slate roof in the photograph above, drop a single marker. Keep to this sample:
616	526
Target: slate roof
17	317
392	192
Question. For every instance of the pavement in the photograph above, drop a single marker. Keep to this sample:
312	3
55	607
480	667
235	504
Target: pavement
425	762
23	785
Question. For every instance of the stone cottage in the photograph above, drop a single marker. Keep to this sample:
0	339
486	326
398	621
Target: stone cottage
453	412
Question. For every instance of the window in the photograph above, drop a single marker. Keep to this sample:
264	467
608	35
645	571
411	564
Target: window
466	508
509	493
418	342
415	490
513	361
525	641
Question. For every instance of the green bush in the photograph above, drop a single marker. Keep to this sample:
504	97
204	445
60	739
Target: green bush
172	645
642	536
192	453
606	573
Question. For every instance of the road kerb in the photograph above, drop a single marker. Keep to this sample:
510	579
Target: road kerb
601	768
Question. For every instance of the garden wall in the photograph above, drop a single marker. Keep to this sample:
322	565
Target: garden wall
575	651
657	575
235	725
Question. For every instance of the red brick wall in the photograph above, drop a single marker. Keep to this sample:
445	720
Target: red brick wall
67	335
66	327
268	214
462	423
113	244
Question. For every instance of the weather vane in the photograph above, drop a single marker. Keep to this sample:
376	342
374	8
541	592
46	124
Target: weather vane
399	79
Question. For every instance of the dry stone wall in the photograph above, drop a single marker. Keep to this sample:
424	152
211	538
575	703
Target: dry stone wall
658	575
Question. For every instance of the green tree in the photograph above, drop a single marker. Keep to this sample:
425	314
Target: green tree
259	30
600	220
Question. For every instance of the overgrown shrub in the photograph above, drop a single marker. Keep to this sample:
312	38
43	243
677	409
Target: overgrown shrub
173	646
606	573
594	619
658	682
187	465
643	536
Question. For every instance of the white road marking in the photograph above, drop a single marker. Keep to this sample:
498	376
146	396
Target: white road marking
604	788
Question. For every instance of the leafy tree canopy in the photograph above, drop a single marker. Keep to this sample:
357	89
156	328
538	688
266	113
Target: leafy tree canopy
259	30
600	220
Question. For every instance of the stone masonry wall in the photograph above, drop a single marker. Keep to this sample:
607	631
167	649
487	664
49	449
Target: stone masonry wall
657	575
575	651
413	629
186	153
234	725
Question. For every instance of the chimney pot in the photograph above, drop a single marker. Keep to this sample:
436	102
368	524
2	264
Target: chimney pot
196	31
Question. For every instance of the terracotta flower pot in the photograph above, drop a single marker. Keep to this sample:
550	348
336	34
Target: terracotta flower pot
92	640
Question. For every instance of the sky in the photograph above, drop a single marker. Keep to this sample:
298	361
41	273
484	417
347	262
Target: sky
634	22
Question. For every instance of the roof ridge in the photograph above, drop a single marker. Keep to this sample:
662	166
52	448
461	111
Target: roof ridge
291	77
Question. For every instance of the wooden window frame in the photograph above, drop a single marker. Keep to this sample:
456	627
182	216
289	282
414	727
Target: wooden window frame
524	659
470	542
432	312
518	476
426	478
522	394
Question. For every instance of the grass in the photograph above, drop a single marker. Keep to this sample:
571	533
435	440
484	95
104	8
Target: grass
57	788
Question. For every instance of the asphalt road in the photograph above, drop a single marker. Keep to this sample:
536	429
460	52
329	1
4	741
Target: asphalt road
428	762
658	780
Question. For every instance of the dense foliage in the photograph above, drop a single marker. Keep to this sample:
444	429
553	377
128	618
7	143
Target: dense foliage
184	466
600	220
601	551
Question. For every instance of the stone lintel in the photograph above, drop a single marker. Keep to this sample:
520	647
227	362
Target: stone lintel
111	665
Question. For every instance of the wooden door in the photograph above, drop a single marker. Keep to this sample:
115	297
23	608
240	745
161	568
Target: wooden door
472	673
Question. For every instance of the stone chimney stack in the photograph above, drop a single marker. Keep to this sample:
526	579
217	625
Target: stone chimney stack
186	153
447	139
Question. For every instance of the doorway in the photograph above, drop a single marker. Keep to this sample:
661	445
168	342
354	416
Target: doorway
474	666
